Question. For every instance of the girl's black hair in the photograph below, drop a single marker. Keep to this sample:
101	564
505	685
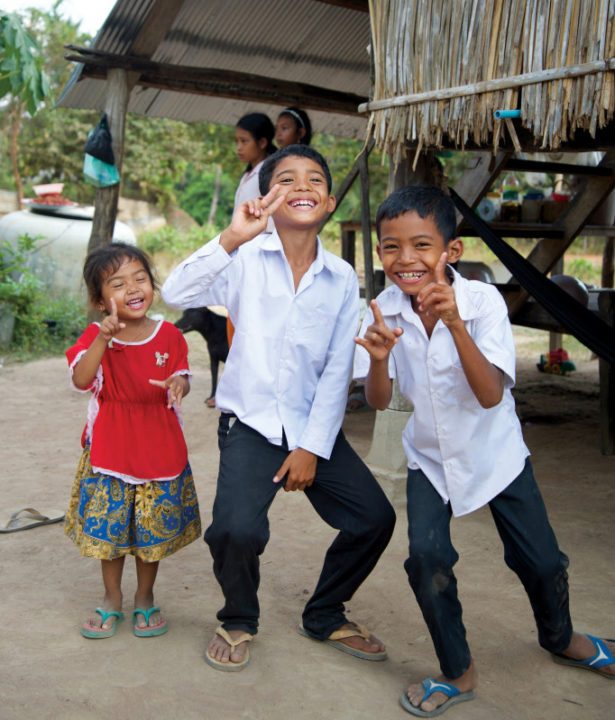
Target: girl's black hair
270	164
426	200
259	126
108	259
301	120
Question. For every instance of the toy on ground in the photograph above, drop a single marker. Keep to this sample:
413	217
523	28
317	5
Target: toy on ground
556	362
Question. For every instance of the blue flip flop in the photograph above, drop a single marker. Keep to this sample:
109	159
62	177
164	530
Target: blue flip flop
148	630
602	658
431	686
87	632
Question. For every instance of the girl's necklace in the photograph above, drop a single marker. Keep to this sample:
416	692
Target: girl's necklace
143	331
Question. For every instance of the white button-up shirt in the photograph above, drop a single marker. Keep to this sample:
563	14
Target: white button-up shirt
291	356
469	453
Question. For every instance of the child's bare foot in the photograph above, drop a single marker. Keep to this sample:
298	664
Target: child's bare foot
362	640
583	648
228	649
110	603
148	622
466	683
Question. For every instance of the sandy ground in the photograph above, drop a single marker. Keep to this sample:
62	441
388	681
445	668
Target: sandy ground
48	589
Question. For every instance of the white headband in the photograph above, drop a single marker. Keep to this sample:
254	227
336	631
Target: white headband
295	114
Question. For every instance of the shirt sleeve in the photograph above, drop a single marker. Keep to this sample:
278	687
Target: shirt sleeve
200	279
492	333
329	405
74	353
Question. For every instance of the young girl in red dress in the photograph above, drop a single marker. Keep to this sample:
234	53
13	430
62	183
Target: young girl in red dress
133	492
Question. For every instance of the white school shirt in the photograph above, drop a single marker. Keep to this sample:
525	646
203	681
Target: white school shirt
469	453
248	189
291	356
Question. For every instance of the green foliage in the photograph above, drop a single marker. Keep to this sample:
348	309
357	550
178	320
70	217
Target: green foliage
21	66
584	270
195	195
43	324
173	242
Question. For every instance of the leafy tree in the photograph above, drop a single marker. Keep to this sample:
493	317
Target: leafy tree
22	80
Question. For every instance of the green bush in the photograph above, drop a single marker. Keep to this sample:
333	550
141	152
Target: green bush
177	243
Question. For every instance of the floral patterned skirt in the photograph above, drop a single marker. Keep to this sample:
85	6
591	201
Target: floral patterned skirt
108	518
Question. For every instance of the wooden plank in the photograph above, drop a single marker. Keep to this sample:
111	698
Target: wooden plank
541	166
216	82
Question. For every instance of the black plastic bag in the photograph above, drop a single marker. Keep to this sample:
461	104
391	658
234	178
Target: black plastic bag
98	144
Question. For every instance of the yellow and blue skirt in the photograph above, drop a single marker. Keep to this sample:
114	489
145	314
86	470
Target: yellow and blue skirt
108	518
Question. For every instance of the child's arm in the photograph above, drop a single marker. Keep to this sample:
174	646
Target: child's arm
485	379
250	219
378	340
85	370
201	279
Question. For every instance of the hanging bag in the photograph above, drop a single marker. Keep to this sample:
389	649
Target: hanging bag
99	162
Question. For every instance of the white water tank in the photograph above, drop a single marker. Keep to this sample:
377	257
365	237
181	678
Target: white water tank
63	235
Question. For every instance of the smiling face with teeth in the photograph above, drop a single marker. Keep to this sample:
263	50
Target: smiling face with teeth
306	191
131	288
410	247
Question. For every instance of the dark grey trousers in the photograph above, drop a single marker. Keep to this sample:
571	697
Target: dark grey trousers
346	496
530	550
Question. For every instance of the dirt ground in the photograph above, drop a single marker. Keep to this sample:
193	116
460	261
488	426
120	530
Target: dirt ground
48	589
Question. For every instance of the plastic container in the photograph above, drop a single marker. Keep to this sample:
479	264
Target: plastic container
511	205
490	206
531	206
62	236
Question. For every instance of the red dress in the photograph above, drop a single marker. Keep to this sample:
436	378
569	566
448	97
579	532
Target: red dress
133	435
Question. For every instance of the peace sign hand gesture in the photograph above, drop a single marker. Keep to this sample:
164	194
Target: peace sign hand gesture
438	298
250	219
379	339
111	324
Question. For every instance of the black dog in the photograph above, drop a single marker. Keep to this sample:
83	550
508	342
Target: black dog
213	329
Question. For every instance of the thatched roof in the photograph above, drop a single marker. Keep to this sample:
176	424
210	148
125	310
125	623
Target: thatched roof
484	55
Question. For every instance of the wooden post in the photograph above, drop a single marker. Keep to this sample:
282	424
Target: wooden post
556	339
607	263
606	306
106	199
366	225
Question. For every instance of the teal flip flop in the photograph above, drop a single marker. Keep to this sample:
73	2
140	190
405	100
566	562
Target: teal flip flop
431	686
148	630
88	632
602	658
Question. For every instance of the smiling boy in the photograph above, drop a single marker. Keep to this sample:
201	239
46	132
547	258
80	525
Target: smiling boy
295	310
449	343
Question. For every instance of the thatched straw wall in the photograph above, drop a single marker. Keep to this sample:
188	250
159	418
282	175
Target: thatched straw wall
426	45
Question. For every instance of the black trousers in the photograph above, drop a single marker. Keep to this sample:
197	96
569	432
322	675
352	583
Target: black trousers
530	550
346	496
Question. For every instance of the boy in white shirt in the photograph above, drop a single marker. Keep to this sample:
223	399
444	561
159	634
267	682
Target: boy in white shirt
295	309
449	343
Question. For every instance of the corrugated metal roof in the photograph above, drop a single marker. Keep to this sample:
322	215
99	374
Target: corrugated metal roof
293	40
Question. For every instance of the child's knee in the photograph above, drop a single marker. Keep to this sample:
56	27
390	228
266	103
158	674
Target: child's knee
236	537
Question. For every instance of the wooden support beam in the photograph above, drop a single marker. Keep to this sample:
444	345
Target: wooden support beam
481	171
347	182
358	5
216	82
106	198
548	251
366	226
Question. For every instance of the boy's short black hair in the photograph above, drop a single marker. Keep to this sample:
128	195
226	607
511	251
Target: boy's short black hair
270	164
427	201
108	259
